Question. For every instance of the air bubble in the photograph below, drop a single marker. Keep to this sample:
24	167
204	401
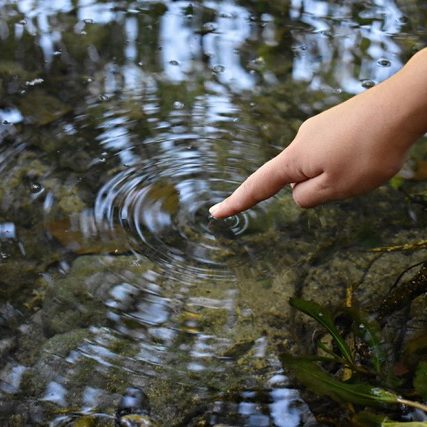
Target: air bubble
366	83
384	62
218	68
35	187
178	105
257	63
209	27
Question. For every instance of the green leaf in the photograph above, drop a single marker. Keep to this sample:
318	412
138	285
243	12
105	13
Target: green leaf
366	418
408	424
370	332
420	380
326	319
317	380
416	349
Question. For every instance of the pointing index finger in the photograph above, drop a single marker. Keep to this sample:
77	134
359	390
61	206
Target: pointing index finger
262	184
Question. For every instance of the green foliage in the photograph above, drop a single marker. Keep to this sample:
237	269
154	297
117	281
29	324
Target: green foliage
314	377
325	318
368	330
363	385
409	424
420	380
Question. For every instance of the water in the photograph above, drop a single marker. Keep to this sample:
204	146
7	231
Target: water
121	124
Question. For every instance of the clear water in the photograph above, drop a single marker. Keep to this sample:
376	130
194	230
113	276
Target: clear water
121	124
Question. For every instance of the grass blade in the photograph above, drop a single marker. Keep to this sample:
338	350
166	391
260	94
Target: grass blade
326	319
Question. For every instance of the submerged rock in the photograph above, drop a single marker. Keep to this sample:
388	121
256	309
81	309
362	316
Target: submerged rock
134	409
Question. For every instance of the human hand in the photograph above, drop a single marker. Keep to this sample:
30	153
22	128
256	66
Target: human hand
347	150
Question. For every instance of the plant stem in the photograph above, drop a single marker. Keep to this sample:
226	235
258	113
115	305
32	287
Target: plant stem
413	404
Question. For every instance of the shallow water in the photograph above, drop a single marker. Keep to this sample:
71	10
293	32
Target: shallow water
121	124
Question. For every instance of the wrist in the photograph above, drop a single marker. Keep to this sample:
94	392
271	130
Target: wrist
409	88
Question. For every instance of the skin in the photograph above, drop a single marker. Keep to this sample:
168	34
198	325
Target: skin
346	150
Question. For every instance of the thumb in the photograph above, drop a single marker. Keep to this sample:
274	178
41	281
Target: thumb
311	192
262	184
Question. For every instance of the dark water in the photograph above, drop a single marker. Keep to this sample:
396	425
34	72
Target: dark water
121	124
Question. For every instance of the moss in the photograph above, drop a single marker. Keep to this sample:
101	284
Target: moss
40	108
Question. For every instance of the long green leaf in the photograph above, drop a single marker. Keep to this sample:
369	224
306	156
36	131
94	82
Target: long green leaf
325	318
370	332
408	424
420	380
317	380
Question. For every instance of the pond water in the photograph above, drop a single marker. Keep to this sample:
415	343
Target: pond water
122	122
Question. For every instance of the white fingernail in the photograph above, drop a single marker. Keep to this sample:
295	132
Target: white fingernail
214	209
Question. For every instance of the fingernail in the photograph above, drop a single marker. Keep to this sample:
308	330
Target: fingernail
214	209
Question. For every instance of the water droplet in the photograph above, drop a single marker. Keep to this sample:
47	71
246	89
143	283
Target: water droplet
57	53
103	157
209	27
89	80
88	21
384	62
178	105
218	68
174	62
366	83
320	314
361	326
35	187
257	63
140	64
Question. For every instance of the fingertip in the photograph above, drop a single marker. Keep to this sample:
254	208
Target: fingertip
214	209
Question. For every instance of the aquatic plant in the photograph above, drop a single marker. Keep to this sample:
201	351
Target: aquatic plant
355	369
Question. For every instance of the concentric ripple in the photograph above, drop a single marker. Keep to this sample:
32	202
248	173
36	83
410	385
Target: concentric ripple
163	206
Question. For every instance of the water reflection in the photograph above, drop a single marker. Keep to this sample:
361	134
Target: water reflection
121	124
362	37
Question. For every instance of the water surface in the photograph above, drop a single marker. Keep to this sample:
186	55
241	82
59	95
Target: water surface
121	124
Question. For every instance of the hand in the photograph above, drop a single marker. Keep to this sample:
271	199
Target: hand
347	150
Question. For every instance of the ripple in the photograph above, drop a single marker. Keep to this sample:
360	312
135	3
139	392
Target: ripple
163	206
